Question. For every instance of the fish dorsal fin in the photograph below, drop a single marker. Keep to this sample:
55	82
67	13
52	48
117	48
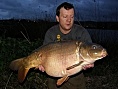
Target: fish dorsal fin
22	72
62	80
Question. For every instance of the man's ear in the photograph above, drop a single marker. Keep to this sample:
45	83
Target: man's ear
57	18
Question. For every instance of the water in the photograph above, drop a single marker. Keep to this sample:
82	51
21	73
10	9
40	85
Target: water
101	35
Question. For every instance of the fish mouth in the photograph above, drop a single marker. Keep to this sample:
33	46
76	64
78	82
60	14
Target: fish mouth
104	53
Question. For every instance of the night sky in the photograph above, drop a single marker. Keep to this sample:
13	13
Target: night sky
87	10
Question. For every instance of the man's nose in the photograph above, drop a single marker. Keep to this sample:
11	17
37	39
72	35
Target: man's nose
68	19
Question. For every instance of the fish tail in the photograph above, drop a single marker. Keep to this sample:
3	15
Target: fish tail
16	64
22	71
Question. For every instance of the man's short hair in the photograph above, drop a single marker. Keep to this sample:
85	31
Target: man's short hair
66	5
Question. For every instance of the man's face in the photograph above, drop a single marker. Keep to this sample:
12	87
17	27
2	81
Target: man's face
66	18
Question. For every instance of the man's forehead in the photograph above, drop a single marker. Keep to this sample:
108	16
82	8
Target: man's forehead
63	10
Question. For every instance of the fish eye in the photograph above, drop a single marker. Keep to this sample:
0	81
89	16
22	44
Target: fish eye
94	46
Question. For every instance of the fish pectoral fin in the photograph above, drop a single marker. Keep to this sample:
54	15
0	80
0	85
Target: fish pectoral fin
22	72
62	80
75	65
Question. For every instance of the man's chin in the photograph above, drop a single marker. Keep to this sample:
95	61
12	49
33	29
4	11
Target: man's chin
67	28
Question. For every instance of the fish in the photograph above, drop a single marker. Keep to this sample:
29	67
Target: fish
59	59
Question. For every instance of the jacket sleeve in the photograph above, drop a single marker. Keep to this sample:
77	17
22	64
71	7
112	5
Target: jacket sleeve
86	36
48	37
82	34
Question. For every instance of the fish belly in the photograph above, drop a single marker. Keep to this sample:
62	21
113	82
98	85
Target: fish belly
56	66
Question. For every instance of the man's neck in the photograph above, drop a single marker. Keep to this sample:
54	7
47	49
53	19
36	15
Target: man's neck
64	31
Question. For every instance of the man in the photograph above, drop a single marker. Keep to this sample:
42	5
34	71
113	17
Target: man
67	30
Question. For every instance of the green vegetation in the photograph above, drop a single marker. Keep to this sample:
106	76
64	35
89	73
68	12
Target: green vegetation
103	76
10	49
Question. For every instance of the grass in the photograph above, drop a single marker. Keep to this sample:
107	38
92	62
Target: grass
103	76
11	49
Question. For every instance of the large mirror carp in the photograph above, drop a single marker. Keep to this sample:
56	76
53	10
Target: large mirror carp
59	59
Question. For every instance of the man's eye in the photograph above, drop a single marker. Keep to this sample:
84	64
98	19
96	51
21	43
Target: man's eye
72	16
64	16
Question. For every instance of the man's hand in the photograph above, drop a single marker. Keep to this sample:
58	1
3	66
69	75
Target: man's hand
88	66
41	68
